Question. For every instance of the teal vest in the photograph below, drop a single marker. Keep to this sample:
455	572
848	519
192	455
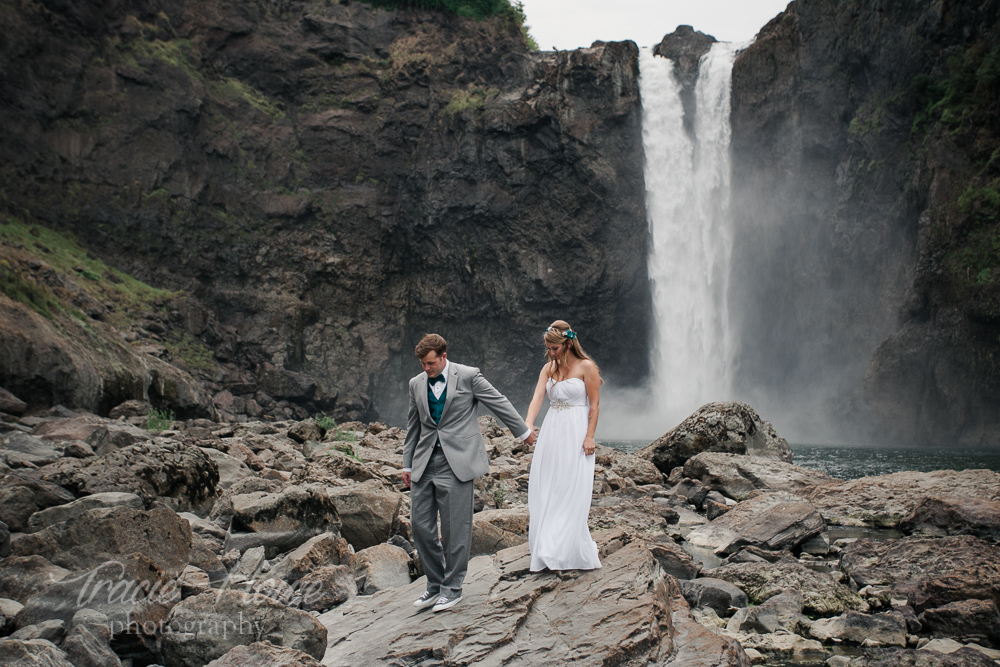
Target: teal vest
436	405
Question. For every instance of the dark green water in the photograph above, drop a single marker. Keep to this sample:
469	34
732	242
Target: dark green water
851	462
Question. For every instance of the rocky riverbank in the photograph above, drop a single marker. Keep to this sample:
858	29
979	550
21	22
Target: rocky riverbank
288	543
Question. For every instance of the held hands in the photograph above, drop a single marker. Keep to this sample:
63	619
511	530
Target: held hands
530	440
406	479
589	446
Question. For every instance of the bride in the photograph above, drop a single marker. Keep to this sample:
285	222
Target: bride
561	480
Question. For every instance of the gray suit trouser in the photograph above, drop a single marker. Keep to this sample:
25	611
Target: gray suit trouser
445	561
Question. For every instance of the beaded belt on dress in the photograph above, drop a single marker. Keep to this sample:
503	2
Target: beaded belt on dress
563	405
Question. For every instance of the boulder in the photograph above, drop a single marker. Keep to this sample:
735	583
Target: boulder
884	501
782	526
276	589
888	629
231	469
367	512
821	595
490	534
68	428
21	495
975	621
106	534
926	572
737	476
33	652
39	452
306	431
69	511
265	654
673	560
116	435
88	642
180	475
248	567
11	404
328	586
717	427
509	614
133	593
130	408
23	576
725	529
52	630
283	520
207	626
719	595
321	551
954	515
381	567
780	612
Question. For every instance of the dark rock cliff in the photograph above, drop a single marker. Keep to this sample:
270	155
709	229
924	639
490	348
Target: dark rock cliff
865	138
329	182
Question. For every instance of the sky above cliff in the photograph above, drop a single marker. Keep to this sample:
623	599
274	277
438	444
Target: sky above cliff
571	24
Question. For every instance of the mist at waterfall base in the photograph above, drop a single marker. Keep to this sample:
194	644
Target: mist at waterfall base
699	347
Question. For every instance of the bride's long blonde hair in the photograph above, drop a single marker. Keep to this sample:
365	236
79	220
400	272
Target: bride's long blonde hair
560	332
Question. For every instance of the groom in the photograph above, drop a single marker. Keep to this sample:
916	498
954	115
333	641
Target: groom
442	455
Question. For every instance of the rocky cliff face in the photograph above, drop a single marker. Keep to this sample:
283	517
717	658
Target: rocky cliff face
328	182
864	145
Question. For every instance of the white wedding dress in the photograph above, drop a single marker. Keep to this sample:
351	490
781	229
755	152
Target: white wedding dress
561	484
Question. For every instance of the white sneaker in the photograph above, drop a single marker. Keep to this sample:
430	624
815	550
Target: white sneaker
425	600
446	603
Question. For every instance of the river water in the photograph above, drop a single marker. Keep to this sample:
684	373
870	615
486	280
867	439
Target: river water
854	461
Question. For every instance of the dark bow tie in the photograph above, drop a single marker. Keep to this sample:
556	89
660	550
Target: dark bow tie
434	380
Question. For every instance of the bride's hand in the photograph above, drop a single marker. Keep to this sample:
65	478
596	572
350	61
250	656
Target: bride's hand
589	446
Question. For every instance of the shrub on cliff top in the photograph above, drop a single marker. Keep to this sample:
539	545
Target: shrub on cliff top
476	9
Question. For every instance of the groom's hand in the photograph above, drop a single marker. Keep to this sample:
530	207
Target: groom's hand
406	479
530	439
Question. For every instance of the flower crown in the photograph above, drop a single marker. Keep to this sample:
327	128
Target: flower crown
569	333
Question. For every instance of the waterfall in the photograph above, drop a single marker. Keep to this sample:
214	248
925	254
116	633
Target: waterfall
687	204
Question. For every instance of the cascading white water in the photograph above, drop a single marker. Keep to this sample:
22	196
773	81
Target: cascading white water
687	204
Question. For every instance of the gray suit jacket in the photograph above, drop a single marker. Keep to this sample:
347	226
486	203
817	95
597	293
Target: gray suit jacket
458	429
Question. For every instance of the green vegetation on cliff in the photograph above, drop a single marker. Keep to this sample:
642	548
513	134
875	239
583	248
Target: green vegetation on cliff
476	9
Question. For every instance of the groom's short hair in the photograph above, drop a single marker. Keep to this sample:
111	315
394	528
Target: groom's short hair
430	343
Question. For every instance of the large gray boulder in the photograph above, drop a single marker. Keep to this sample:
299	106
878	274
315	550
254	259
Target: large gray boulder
207	626
108	534
23	576
888	629
41	652
321	551
88	642
34	450
510	614
116	435
716	594
926	572
283	520
367	512
69	511
734	428
381	567
326	587
971	620
742	518
23	494
180	475
954	515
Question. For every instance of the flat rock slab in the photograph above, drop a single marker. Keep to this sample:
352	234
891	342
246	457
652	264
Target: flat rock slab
927	572
619	614
722	531
884	501
737	476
